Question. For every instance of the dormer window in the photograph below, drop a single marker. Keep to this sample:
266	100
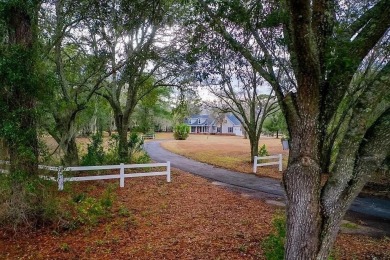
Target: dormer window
198	120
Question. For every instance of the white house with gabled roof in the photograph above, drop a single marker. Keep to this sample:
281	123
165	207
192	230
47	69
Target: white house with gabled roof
208	125
231	125
201	124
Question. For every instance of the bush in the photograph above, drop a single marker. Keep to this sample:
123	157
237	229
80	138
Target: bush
273	245
141	157
112	156
95	154
27	201
263	151
181	132
135	144
89	210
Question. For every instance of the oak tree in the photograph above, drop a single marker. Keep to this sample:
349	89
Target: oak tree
336	127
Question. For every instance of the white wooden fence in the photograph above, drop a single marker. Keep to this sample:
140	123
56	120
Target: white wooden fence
148	136
121	176
278	162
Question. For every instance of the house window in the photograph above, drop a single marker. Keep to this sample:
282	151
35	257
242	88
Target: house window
219	130
198	120
230	129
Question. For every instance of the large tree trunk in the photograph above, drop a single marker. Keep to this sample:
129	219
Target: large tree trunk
122	127
301	181
3	150
71	156
254	144
23	143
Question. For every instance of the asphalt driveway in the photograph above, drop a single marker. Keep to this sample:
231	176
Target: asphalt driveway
375	211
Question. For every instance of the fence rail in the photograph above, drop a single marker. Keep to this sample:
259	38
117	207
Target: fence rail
257	164
121	176
148	136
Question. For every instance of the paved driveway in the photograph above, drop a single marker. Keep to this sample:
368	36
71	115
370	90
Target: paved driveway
372	209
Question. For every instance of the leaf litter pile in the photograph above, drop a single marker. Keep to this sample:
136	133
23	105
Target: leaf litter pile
189	218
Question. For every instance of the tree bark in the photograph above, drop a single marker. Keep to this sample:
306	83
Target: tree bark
122	128
71	156
23	149
302	184
3	150
65	134
254	144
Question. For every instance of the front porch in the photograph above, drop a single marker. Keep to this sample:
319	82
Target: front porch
202	129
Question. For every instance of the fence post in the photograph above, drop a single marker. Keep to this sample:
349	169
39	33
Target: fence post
280	162
60	178
122	176
255	164
168	171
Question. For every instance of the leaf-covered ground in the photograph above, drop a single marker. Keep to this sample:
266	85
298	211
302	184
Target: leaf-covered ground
189	218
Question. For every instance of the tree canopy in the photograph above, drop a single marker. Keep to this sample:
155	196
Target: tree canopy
326	61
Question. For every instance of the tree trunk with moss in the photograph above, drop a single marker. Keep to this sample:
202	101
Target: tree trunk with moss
20	90
122	126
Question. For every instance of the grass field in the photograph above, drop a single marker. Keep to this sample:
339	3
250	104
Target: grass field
230	152
233	152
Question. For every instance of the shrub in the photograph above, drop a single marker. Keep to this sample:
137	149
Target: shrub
141	157
263	151
95	154
27	201
91	210
273	245
135	144
112	156
181	132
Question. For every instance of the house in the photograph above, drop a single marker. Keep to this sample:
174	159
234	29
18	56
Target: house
209	125
231	125
201	124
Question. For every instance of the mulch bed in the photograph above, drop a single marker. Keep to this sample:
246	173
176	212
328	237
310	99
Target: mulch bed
189	218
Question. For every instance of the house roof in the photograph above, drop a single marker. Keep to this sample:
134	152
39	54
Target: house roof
200	120
233	119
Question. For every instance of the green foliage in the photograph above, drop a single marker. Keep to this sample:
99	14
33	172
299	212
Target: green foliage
181	132
111	156
275	123
124	212
95	154
27	201
350	225
189	103
64	247
20	88
263	151
153	108
273	245
91	210
135	145
142	157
